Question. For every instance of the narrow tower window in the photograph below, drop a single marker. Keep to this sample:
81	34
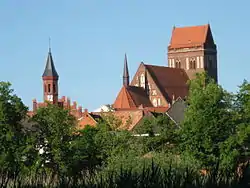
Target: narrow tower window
45	88
49	88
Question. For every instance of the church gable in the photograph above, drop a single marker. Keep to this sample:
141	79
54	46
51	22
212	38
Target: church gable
171	82
144	79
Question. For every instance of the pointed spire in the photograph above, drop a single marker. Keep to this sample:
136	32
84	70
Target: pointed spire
125	72
49	45
50	69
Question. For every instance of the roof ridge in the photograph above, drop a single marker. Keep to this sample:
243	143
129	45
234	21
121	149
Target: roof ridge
156	65
189	26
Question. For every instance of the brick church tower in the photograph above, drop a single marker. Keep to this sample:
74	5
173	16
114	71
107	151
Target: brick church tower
194	50
50	81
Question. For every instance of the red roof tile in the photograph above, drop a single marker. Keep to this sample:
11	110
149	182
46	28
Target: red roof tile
188	36
131	97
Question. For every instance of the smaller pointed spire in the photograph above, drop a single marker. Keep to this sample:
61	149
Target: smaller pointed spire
50	69
125	72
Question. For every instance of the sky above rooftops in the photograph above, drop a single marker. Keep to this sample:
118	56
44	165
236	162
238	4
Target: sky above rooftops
89	40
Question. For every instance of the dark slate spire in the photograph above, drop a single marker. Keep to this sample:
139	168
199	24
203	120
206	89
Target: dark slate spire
125	73
50	69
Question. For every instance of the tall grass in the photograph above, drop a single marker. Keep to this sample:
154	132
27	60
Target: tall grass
150	176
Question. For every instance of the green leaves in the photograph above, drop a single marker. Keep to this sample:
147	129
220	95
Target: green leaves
208	120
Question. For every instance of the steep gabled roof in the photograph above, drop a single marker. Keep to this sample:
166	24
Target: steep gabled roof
171	81
131	97
189	36
50	69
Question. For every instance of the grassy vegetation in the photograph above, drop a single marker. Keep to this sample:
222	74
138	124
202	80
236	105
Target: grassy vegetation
210	148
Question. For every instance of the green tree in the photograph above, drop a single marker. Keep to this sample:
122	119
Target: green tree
162	133
12	135
55	128
208	121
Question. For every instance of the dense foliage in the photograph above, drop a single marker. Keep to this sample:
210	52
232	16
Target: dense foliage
210	148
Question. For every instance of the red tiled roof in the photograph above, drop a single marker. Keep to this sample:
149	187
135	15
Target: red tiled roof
131	97
188	36
171	81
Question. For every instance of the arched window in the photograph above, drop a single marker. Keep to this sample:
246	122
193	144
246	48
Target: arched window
192	64
178	63
49	88
142	80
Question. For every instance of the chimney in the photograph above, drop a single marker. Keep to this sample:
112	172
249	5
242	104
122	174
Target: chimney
79	111
34	105
68	103
74	105
63	98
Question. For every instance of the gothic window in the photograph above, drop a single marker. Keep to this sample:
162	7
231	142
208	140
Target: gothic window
155	102
49	88
148	88
178	63
142	80
192	64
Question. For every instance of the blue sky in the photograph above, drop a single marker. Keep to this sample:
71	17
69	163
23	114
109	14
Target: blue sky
89	39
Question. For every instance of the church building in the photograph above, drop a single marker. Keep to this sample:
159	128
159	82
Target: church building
191	50
163	89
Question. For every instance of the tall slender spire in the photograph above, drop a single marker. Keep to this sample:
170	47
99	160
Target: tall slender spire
50	69
49	45
125	72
